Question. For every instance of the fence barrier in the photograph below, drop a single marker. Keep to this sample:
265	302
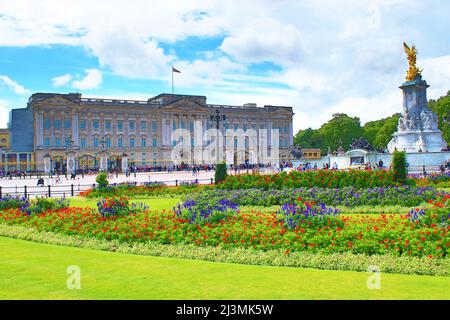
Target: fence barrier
71	190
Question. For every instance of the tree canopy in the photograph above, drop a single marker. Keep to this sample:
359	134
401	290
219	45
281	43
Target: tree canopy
378	133
442	108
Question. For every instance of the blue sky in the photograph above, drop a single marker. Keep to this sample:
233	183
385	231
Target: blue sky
321	56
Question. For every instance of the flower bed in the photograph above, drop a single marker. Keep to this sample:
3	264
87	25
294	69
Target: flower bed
152	189
436	180
384	234
119	207
349	196
310	179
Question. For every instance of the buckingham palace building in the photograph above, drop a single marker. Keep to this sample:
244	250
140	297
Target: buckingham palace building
116	134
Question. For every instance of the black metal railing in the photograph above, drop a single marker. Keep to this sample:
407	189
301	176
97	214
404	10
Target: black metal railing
72	190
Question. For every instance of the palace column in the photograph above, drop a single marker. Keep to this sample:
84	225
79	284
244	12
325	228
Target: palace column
291	134
28	162
39	129
52	128
75	126
18	161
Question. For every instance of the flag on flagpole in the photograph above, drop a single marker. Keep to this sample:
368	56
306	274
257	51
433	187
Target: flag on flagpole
176	71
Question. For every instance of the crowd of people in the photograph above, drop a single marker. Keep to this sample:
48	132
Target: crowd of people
55	175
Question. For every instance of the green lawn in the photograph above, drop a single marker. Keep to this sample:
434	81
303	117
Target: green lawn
153	203
31	270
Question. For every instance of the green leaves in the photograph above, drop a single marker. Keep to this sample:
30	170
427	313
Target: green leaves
344	128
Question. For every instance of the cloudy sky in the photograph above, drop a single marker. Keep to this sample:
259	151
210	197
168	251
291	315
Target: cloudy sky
321	56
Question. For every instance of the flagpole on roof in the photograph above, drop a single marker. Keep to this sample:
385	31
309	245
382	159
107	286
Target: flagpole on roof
177	71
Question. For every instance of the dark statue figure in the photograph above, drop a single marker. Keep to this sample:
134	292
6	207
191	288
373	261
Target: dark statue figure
297	153
361	143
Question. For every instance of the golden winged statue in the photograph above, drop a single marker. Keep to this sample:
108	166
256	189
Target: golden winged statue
413	71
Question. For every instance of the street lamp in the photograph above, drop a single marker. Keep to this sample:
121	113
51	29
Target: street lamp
48	164
218	119
103	156
70	156
103	143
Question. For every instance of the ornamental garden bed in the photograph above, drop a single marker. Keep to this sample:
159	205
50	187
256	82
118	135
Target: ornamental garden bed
404	196
297	227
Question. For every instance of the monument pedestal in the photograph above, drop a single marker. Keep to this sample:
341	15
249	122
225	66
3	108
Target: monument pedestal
417	141
418	126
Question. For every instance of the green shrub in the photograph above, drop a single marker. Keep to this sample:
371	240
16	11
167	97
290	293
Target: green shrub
102	180
399	166
41	204
12	202
221	172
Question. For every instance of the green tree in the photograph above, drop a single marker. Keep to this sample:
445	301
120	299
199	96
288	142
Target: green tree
221	172
340	128
102	180
378	133
399	166
309	138
442	108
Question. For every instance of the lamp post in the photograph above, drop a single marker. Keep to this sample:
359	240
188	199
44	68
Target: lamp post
103	156
70	155
218	119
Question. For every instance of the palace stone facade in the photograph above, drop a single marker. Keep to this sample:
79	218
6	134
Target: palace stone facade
88	129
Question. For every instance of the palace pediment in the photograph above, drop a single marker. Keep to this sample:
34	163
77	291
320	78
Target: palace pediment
54	100
184	105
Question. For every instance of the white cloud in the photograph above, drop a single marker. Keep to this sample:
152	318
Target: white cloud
13	85
61	81
437	73
127	54
333	56
4	113
265	40
93	79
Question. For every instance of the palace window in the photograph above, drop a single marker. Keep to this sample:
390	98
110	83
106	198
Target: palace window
120	125
108	142
143	125
83	143
108	125
95	144
155	142
143	143
120	142
132	125
67	123
57	124
154	126
58	142
182	124
132	143
47	142
47	123
95	124
82	124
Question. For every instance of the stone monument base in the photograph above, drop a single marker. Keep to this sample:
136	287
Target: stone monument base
418	141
